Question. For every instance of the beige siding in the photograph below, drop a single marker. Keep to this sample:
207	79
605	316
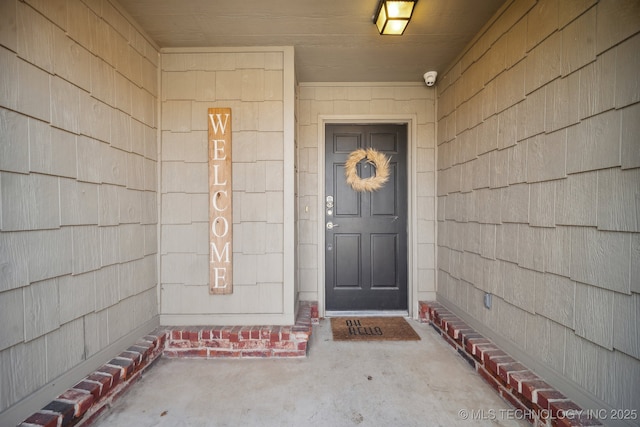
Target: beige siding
77	192
559	225
252	83
344	101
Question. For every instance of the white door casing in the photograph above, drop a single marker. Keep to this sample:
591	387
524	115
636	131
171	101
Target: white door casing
412	249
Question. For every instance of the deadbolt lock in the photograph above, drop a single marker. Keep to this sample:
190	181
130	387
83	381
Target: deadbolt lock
329	202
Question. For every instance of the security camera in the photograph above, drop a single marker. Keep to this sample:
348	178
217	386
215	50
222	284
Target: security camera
430	77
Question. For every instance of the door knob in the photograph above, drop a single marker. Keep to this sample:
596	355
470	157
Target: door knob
331	225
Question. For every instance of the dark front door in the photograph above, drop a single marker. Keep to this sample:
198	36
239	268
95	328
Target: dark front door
366	232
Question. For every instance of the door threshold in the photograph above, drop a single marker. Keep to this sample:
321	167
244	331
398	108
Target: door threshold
367	313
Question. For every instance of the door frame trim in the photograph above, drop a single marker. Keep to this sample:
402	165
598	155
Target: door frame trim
411	120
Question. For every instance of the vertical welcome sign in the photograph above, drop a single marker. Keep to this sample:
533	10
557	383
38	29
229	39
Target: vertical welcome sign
220	203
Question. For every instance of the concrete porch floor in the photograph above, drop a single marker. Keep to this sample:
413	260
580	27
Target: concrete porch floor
410	383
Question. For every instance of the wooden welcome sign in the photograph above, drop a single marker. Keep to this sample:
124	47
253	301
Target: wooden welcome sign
220	204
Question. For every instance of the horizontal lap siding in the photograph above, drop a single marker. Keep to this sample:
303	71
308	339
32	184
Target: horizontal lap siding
251	83
78	212
554	231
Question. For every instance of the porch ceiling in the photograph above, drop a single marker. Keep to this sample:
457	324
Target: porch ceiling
334	40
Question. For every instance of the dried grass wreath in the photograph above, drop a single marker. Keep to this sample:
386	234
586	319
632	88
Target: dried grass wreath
374	157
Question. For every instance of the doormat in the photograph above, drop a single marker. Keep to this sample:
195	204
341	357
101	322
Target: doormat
372	329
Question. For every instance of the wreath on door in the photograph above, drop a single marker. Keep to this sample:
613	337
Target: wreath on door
374	157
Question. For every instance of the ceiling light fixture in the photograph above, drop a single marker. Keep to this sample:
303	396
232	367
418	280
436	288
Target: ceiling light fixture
392	16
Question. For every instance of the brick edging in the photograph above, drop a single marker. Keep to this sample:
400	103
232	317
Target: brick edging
86	400
539	403
210	342
83	403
